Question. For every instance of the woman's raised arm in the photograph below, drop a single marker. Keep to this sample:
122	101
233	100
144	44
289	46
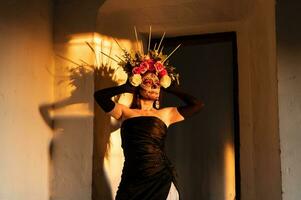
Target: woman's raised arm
191	107
103	99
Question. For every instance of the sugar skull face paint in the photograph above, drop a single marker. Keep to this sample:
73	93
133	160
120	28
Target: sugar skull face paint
150	86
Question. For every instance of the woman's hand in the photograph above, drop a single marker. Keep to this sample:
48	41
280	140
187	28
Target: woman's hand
103	96
193	105
130	88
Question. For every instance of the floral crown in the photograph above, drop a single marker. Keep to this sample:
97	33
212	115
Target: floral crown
136	63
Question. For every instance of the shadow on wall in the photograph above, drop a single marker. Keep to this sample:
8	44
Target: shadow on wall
86	127
75	147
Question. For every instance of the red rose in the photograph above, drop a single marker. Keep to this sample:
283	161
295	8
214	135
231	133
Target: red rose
151	67
159	66
136	70
144	66
143	69
162	73
150	63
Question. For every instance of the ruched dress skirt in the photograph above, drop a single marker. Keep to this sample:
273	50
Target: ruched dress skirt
147	172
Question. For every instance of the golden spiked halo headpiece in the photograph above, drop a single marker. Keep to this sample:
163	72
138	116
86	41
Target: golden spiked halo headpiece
137	63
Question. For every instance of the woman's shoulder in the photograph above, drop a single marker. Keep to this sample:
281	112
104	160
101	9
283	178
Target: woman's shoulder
167	110
171	113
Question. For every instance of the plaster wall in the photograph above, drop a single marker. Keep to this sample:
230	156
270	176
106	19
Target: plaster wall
264	168
26	82
74	24
289	81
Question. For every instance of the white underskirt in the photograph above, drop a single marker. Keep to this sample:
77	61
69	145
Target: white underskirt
173	193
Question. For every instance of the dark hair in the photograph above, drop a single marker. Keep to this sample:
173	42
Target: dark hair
136	95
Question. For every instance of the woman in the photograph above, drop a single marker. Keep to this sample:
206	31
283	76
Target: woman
147	172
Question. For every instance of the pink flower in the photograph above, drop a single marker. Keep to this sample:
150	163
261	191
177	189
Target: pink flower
150	63
136	70
144	66
159	66
151	67
162	73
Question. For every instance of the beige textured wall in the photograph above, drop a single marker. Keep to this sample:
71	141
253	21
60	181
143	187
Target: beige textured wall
25	84
289	73
261	176
74	23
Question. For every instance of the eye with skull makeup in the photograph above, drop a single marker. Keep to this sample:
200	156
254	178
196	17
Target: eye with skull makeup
147	81
157	83
151	84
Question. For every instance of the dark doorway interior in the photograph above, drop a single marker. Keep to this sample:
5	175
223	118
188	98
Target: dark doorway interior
205	148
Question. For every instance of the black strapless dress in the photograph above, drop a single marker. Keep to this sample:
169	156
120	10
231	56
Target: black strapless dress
147	172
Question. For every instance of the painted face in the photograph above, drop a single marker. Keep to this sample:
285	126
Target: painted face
150	86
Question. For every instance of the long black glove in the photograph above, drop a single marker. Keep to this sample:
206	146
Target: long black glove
103	96
193	105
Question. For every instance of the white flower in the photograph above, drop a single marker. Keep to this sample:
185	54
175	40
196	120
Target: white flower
165	81
136	80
